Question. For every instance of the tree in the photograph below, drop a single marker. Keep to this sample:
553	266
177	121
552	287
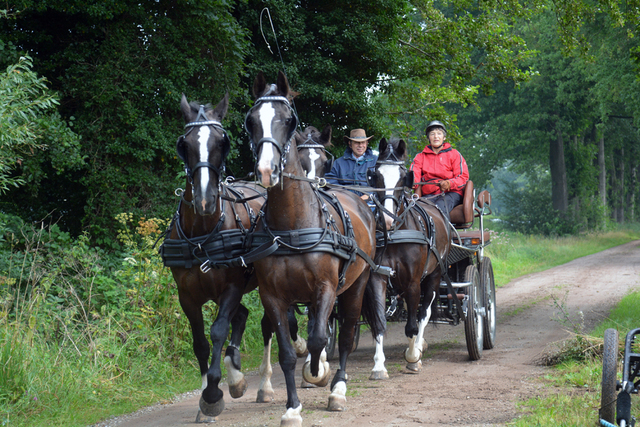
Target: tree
28	121
120	69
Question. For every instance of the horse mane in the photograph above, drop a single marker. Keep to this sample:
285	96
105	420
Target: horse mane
391	151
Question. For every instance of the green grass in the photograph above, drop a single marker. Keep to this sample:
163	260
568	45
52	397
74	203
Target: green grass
572	393
514	255
85	336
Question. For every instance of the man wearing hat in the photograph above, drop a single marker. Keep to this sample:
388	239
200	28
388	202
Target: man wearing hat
351	169
442	167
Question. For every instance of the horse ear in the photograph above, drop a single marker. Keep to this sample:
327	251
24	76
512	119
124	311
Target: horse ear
282	84
382	147
186	109
325	136
401	149
221	109
259	85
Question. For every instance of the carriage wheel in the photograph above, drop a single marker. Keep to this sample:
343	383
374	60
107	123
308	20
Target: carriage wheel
332	333
488	287
609	376
473	329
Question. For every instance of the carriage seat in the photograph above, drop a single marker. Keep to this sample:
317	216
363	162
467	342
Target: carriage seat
462	215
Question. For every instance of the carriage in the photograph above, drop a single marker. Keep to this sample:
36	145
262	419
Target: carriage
311	246
472	281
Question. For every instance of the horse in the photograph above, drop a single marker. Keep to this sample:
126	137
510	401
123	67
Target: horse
311	145
211	213
312	148
326	247
417	240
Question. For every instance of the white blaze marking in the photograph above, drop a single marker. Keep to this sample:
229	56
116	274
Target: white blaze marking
203	138
390	176
313	156
266	113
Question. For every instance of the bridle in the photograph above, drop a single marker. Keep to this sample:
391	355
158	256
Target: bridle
309	143
202	120
283	151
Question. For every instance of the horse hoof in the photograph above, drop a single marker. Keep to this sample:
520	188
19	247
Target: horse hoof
204	419
211	409
291	422
237	390
264	396
337	403
320	382
306	384
415	367
379	375
412	358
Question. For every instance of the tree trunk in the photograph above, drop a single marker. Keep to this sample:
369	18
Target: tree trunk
620	200
602	181
631	194
559	193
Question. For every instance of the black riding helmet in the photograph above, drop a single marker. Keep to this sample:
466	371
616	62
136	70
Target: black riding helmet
435	124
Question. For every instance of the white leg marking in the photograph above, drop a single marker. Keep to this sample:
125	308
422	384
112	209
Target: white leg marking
379	358
323	367
422	324
300	345
233	375
204	381
265	370
203	138
291	415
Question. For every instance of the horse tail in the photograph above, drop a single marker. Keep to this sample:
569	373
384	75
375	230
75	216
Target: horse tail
373	308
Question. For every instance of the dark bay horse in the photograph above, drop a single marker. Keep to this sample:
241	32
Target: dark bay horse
326	246
418	242
208	210
312	148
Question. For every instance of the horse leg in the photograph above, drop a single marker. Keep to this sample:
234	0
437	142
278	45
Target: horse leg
417	344
200	342
316	369
375	297
299	343
237	384
349	308
265	389
413	353
211	401
287	356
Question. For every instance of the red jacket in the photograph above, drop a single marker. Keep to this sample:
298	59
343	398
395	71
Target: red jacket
448	164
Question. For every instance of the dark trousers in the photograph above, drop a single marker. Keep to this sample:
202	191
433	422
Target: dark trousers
445	201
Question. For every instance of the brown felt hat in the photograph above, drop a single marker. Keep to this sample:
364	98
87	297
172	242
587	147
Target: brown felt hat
357	135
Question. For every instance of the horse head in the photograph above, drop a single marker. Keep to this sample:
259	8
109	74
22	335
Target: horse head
390	175
271	124
203	148
312	145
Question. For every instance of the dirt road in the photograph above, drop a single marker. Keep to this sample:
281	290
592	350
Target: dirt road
450	390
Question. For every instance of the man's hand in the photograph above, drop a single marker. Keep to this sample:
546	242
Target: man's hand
445	185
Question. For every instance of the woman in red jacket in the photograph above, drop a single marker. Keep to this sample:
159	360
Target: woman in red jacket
442	168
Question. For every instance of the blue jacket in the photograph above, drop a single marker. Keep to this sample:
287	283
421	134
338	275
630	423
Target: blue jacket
348	171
